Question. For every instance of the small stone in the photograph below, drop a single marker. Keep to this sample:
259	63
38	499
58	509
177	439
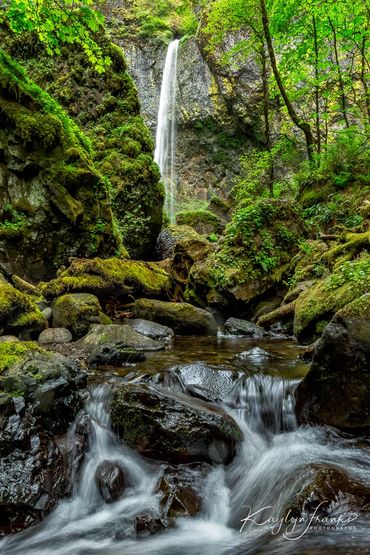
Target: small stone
47	312
55	336
236	326
8	338
112	480
146	524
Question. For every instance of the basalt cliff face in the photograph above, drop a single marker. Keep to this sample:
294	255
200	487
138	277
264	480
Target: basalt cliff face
218	111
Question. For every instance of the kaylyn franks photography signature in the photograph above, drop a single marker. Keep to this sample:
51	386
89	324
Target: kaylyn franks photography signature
294	528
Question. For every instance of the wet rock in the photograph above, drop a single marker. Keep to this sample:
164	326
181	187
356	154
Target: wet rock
147	524
31	482
115	354
76	312
183	318
325	487
201	380
179	496
151	329
256	355
125	335
173	427
336	390
55	335
78	443
111	480
236	326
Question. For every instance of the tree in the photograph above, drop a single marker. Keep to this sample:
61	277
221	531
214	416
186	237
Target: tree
57	22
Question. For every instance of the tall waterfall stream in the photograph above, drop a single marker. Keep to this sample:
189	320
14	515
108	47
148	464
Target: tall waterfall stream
237	500
166	129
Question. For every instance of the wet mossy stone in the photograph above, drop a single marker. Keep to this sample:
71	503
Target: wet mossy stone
183	318
76	312
110	277
15	352
100	335
174	428
349	281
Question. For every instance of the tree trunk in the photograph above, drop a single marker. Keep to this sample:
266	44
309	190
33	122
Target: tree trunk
340	76
304	126
266	115
363	77
317	88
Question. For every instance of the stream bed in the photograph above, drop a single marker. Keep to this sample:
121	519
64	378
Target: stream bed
250	506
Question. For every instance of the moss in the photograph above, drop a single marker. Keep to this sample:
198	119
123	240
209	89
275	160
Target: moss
359	309
107	108
203	221
255	250
12	303
107	276
348	282
353	244
34	320
12	353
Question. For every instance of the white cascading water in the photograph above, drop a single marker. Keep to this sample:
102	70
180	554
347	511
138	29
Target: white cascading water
269	469
165	150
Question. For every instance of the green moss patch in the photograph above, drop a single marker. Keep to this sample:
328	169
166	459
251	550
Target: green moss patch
105	277
349	281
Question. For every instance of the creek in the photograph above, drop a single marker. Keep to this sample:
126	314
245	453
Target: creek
242	503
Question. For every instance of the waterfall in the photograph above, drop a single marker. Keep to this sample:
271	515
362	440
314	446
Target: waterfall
166	129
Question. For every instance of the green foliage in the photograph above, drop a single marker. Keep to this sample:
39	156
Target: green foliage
163	18
58	22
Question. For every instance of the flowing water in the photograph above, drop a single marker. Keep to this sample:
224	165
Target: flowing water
165	150
242	503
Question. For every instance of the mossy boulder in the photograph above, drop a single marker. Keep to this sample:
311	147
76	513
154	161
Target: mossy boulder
316	306
254	252
76	312
204	222
15	352
110	277
54	202
120	335
183	318
18	313
174	428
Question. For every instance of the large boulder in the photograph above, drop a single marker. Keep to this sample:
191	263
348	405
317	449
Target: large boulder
53	202
253	254
183	318
336	390
76	312
111	334
39	398
111	277
173	427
